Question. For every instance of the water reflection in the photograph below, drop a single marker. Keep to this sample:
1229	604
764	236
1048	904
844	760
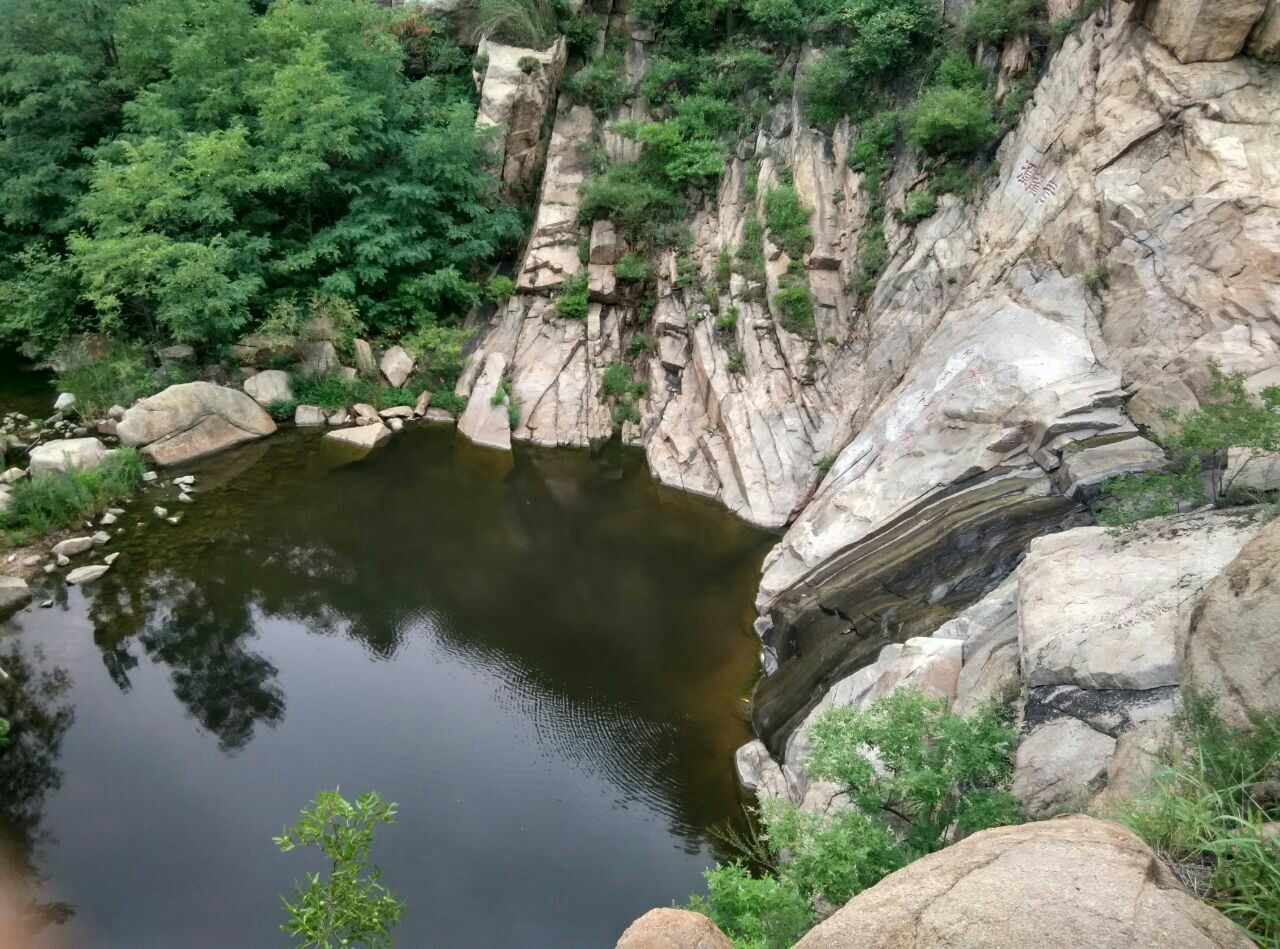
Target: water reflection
555	614
32	699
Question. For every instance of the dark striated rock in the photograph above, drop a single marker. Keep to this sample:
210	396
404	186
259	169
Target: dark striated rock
902	581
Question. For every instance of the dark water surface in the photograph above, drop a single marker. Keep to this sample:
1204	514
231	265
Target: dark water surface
539	658
23	388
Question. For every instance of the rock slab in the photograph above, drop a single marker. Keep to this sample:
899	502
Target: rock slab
1074	881
70	453
673	929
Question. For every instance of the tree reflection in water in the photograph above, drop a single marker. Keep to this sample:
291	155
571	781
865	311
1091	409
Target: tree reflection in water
32	699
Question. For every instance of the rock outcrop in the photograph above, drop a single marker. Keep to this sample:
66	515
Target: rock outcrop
191	420
14	595
1231	647
1064	883
673	929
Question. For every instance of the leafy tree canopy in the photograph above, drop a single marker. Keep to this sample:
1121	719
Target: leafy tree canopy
179	166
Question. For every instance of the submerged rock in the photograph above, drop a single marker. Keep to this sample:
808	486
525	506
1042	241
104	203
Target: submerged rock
191	420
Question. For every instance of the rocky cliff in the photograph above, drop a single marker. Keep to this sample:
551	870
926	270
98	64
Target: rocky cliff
1009	359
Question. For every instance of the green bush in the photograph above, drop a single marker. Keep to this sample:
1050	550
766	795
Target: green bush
120	377
829	89
635	203
920	776
601	84
782	21
349	906
1206	812
439	349
788	220
728	320
1205	438
580	31
872	154
336	392
952	122
631	268
873	257
920	207
52	502
994	21
737	362
574	301
795	306
622	391
499	289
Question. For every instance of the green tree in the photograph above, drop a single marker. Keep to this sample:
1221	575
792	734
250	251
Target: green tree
1198	441
918	777
350	906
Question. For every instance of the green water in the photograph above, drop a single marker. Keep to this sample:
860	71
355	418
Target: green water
542	658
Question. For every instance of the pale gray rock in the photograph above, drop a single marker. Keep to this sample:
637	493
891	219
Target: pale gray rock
396	366
398	411
1231	645
108	519
552	253
64	401
192	420
1250	470
421	404
439	416
365	413
308	415
1199	30
12	475
317	358
14	595
607	247
270	385
84	575
366	365
1102	611
72	546
1086	467
58	457
482	421
1059	767
364	437
6	498
101	538
340	417
518	99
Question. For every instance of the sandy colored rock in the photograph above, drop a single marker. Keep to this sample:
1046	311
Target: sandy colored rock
60	456
84	575
482	421
1060	884
1199	30
396	366
317	358
362	436
270	385
308	415
1231	647
673	929
72	546
191	420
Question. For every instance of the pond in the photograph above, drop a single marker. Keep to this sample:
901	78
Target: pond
541	657
24	388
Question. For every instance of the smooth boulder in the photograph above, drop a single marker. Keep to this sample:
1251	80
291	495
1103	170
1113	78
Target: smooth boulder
1069	882
396	365
673	929
1231	647
191	420
271	385
83	575
62	456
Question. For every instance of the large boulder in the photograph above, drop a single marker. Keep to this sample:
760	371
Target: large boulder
396	366
61	456
1070	882
14	595
269	386
1102	611
1060	767
1231	647
1200	30
673	929
191	420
